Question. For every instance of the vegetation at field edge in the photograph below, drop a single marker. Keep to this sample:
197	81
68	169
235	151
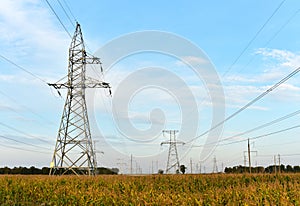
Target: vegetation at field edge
218	189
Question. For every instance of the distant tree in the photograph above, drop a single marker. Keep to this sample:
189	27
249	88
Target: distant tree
45	170
6	170
115	170
282	168
228	170
107	171
289	168
296	168
182	168
160	171
258	169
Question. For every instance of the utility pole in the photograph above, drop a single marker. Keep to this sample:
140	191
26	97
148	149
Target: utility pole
173	160
275	164
222	167
279	169
249	159
131	164
95	152
74	152
249	156
152	167
200	168
191	163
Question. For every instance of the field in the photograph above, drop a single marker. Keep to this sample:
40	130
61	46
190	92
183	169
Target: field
151	190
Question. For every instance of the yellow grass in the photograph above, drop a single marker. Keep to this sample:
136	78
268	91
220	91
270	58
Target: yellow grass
151	190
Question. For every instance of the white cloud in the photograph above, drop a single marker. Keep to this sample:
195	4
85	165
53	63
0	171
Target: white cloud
284	58
240	89
6	78
27	31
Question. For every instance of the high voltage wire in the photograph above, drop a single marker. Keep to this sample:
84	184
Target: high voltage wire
265	125
281	28
22	149
26	108
58	18
18	141
295	154
248	104
66	13
69	10
282	155
22	68
92	66
254	129
30	73
23	133
261	136
276	33
252	40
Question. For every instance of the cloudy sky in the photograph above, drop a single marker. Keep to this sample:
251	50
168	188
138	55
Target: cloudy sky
171	66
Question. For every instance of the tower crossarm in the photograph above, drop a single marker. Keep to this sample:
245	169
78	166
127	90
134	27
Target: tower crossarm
173	142
89	83
164	143
93	83
92	60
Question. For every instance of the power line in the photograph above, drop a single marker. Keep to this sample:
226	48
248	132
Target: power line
273	37
26	108
66	13
249	104
261	136
22	68
285	155
23	133
255	128
252	40
28	150
265	125
73	26
69	10
295	154
58	18
18	141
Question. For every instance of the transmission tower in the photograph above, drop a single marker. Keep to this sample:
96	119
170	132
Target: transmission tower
173	160
74	152
215	166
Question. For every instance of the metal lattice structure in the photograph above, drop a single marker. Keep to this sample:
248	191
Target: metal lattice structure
74	152
173	160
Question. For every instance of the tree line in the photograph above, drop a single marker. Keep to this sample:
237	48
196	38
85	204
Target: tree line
260	169
45	170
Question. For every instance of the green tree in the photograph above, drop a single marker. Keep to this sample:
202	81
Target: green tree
182	169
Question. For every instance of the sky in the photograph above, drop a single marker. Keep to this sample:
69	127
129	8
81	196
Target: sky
176	65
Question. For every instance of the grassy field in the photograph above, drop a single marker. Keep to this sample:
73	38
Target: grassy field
218	189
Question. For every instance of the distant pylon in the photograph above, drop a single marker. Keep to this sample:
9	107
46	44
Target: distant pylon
173	160
215	166
74	152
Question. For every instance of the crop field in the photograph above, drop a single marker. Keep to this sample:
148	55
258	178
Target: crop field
218	189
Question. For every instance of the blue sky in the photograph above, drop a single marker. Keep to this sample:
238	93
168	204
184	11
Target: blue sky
32	37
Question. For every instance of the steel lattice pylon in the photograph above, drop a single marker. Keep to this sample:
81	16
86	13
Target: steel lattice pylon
74	152
173	160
